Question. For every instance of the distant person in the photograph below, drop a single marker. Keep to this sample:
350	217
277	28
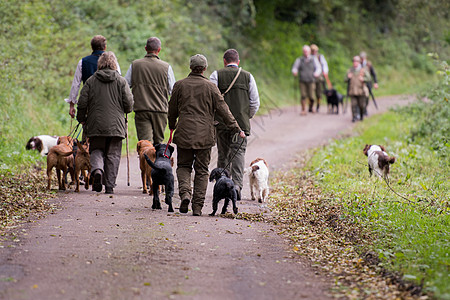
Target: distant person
320	81
307	68
373	82
151	80
104	99
242	99
357	77
194	102
86	67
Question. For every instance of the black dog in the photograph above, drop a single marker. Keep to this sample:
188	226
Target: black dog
162	175
224	188
334	98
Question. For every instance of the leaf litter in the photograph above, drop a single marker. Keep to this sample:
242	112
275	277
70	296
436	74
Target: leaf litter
335	243
23	196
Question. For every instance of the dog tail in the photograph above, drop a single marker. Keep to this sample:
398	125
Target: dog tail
391	160
152	164
62	153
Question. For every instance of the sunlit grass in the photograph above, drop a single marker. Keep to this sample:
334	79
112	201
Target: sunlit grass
412	228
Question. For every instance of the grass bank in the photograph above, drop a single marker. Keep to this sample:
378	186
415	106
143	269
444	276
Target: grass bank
398	229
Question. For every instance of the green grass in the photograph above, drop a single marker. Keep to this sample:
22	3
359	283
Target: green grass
412	230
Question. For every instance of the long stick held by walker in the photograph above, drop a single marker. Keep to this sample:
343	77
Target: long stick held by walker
128	156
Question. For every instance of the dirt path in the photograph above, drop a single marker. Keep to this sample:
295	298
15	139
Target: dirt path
102	247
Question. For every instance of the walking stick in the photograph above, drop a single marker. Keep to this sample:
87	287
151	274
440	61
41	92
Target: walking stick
128	155
346	96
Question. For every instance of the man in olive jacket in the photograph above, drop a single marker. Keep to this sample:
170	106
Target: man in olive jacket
104	100
151	80
192	106
243	100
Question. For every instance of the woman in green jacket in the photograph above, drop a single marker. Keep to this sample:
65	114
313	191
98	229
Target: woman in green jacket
104	100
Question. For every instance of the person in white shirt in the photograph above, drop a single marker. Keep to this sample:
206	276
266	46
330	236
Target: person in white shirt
86	67
307	68
320	81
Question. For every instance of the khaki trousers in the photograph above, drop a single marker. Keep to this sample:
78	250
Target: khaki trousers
150	126
199	160
307	91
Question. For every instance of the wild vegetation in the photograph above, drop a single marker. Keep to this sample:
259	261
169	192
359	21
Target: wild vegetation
42	41
398	228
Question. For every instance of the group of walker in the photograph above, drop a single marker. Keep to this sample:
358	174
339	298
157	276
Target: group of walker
312	72
201	111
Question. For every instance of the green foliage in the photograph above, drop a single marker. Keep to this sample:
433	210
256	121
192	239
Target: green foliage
410	218
42	41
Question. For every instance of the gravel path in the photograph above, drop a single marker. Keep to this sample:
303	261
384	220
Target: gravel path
116	247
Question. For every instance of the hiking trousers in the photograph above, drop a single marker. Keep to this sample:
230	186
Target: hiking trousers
197	159
227	146
150	126
105	156
358	106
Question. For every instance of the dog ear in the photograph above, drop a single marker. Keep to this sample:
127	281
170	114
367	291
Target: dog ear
138	146
366	148
382	148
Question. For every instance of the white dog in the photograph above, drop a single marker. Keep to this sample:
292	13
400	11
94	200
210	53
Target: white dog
378	160
258	173
42	143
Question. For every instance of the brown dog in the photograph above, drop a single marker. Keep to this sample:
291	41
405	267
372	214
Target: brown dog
60	157
82	164
146	147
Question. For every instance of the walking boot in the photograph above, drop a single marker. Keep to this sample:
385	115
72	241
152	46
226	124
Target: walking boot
184	206
97	184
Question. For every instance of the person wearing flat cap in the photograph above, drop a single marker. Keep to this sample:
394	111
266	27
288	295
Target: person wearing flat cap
194	102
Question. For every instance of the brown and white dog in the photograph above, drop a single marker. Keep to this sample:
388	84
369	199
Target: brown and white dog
82	164
258	173
60	157
42	143
378	160
146	147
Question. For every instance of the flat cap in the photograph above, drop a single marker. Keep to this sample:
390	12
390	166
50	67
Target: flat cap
198	60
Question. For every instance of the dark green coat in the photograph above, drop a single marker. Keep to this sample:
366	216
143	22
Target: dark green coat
194	102
104	99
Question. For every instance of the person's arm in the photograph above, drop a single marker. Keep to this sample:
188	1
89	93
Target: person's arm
324	65
318	67
171	79
127	99
214	78
254	97
374	76
118	68
295	67
83	104
325	70
72	100
128	76
172	116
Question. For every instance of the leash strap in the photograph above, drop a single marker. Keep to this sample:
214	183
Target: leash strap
235	137
232	83
167	145
74	130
